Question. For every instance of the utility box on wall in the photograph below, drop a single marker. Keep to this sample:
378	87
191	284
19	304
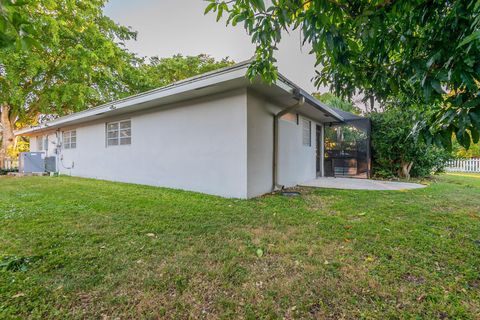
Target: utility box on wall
31	162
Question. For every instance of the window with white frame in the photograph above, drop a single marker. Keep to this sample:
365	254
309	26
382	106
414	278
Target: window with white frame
42	143
119	133
70	139
39	140
307	132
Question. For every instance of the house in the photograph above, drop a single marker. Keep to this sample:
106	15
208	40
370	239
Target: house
217	133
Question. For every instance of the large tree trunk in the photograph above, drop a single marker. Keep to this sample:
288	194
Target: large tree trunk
404	171
8	138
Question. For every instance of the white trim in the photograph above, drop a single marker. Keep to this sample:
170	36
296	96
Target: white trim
118	130
306	132
69	134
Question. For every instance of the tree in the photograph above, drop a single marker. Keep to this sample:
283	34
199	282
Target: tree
336	102
461	152
80	62
163	71
382	49
396	152
15	28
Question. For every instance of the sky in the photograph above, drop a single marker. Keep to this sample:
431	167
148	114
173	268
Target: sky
168	27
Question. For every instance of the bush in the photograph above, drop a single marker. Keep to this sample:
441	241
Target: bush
396	153
6	171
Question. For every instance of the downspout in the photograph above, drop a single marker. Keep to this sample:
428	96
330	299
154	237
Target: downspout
276	117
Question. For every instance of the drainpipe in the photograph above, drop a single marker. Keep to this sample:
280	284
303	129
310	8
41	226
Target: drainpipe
276	117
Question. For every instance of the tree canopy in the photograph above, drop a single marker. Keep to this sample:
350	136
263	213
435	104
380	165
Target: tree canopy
62	56
336	102
79	62
15	27
163	71
396	153
425	52
461	152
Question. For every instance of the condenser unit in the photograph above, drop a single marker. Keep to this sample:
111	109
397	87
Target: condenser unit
51	164
31	162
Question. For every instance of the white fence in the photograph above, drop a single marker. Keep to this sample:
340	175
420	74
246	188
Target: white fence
9	164
463	165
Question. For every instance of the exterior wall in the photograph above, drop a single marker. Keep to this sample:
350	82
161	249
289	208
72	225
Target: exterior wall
199	145
52	140
221	145
260	144
296	162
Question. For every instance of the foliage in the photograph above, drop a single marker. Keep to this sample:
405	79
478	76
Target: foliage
461	152
163	71
336	102
345	138
114	250
6	171
383	49
396	152
79	63
22	144
15	27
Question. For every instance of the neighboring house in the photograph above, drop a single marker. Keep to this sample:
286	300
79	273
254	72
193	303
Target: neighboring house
216	133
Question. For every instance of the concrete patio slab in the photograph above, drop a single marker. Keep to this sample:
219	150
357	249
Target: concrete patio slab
360	184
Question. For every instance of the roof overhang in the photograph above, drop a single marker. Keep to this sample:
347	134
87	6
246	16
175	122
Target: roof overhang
230	78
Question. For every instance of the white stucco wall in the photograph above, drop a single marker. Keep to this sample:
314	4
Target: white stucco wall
200	145
296	162
221	145
52	139
260	144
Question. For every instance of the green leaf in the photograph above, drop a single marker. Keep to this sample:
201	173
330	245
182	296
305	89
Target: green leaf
427	92
475	117
437	86
432	59
259	253
27	42
463	137
475	135
474	36
219	12
210	7
259	4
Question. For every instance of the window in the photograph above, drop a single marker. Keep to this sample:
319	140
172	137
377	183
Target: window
70	139
39	143
42	143
307	132
119	133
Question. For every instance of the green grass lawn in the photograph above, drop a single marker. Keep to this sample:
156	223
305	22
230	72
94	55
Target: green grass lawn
80	248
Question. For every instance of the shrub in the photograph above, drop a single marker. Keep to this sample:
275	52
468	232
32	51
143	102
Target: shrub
396	153
6	171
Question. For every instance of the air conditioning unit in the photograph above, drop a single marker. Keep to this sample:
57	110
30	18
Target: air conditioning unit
31	162
51	164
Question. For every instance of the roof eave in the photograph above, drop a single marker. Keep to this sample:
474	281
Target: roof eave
194	83
312	101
